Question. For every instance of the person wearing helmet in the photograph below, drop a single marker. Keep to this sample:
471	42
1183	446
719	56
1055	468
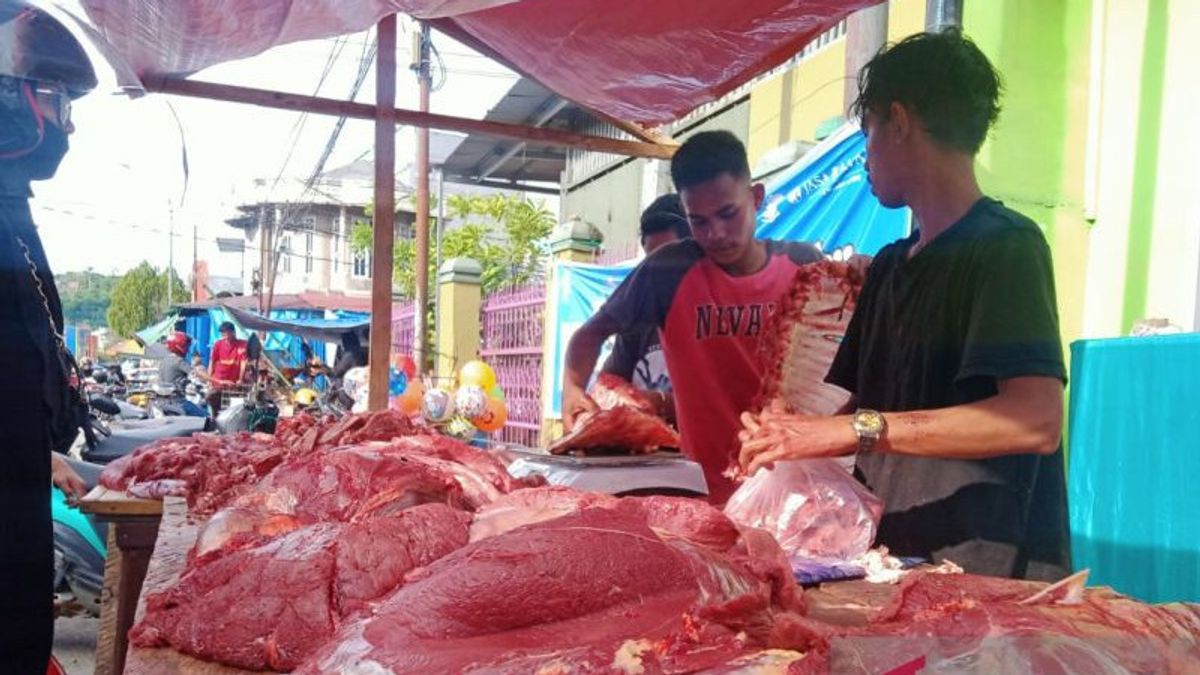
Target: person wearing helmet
173	369
42	69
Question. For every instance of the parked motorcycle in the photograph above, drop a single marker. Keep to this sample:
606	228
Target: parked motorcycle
108	441
79	548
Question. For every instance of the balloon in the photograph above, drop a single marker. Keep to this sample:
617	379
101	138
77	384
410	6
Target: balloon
438	405
460	428
412	399
470	401
477	373
497	393
406	365
494	417
397	382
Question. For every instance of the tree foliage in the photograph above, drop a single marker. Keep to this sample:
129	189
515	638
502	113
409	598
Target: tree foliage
85	297
140	298
505	234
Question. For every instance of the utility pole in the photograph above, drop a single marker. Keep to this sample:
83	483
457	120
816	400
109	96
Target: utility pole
437	255
170	253
420	320
195	264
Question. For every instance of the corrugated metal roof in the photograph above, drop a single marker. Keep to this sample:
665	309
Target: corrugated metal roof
486	160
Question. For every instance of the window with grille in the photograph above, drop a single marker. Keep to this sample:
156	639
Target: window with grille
308	252
362	264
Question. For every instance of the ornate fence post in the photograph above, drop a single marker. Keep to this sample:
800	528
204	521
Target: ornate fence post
460	298
574	240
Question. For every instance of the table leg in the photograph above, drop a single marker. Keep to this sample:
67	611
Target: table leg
130	545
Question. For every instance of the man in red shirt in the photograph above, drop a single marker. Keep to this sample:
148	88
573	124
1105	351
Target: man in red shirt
708	297
227	365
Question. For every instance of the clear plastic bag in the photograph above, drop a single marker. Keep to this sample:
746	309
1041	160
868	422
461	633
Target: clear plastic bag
813	508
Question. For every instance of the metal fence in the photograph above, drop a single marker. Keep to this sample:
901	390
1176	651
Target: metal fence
512	345
403	319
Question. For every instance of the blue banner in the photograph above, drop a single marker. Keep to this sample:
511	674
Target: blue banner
578	290
825	199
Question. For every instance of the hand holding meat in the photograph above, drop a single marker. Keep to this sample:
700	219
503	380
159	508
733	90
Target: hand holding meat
775	434
576	402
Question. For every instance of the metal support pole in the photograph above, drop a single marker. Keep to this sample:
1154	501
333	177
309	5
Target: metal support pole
385	213
941	14
420	319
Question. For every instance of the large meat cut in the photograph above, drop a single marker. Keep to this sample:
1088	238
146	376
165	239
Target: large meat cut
961	623
625	420
662	585
211	470
532	505
356	482
269	606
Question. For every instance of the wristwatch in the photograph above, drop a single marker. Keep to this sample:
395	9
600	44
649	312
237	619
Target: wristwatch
869	425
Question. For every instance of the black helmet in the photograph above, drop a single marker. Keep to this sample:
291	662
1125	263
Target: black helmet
36	46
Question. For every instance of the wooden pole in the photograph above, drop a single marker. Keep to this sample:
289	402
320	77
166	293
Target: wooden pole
385	213
329	106
421	315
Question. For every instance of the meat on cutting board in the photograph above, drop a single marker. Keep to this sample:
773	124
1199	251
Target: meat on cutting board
270	606
576	594
625	420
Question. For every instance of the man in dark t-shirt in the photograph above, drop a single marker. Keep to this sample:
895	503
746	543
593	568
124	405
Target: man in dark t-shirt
637	356
953	353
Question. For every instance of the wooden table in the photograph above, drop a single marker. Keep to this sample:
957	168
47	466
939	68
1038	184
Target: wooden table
131	535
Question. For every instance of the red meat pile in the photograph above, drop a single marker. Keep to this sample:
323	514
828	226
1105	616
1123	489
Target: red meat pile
270	605
211	470
966	623
638	585
626	420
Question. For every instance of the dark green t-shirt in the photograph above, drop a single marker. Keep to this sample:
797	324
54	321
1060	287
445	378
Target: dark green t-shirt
976	306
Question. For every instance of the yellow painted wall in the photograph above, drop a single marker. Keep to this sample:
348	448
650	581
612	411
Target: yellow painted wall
905	17
765	101
818	90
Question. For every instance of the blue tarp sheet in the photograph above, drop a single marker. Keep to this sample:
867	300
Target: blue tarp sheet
1134	462
825	199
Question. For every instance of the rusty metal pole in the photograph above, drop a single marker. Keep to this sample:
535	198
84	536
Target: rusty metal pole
421	317
384	214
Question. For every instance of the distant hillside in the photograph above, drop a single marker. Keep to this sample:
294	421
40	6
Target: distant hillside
85	297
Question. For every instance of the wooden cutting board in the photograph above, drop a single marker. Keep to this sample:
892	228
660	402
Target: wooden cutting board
105	502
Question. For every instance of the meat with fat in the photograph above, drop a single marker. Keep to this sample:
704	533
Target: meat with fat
576	594
270	606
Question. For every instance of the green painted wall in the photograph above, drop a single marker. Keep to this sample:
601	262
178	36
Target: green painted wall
1034	158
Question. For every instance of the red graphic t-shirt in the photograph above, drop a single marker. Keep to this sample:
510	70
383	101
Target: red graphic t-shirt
227	358
710	324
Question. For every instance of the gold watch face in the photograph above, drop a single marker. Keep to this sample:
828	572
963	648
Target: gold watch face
868	423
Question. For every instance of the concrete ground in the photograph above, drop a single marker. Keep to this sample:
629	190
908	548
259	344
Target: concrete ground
75	643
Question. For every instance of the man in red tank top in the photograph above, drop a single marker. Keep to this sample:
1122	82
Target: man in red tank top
709	297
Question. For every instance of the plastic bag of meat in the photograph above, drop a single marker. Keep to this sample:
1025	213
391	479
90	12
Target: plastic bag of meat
813	507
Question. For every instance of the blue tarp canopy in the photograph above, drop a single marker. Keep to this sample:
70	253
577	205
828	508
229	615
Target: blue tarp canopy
320	329
825	199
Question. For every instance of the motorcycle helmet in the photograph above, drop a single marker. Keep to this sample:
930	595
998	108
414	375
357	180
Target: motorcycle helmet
36	46
178	343
42	68
305	397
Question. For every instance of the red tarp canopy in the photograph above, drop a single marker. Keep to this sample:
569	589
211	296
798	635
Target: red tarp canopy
646	61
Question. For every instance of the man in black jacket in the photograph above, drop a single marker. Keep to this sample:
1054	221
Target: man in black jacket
42	68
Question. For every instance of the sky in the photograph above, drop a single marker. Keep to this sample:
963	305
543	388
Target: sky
121	188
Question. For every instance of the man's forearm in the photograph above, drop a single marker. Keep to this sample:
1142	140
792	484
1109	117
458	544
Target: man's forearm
582	353
1024	418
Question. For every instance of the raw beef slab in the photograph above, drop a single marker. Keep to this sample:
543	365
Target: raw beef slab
578	594
961	623
270	606
355	482
626	419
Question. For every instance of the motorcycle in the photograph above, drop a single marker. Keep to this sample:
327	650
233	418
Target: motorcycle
79	548
101	442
